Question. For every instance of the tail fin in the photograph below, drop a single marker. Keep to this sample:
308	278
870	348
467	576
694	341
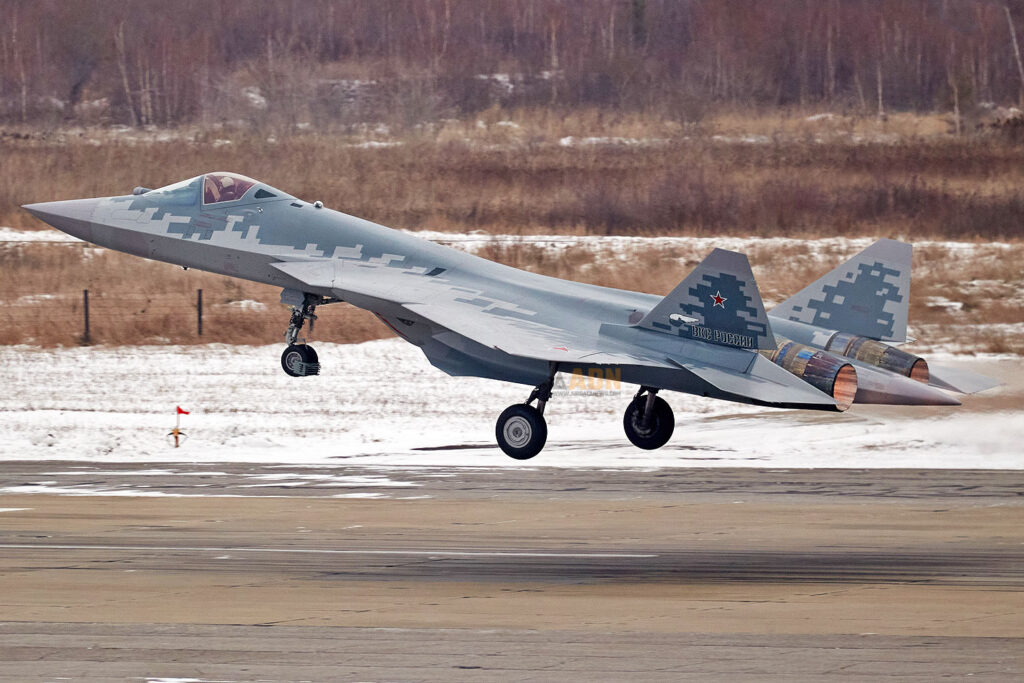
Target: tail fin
868	295
718	303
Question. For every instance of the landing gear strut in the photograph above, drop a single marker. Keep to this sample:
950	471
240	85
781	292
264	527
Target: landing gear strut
299	359
648	421
521	429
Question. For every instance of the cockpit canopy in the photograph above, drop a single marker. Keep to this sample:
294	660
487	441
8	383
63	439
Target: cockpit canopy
225	187
215	188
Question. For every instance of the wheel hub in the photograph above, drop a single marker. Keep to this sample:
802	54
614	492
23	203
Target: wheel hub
517	432
638	423
294	361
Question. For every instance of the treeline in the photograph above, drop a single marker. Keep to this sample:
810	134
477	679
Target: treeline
405	61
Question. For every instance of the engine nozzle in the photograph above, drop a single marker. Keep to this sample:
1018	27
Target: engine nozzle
878	354
822	370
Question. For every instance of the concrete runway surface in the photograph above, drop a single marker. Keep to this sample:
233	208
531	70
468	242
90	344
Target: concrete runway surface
234	572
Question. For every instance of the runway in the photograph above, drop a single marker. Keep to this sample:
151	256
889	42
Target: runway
232	653
531	574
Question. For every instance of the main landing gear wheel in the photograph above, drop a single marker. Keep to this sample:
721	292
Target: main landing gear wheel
300	360
521	431
648	421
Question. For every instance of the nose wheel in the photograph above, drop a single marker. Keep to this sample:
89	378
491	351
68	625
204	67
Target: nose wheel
300	360
648	421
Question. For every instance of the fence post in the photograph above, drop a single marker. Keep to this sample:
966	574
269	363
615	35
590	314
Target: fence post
199	312
86	339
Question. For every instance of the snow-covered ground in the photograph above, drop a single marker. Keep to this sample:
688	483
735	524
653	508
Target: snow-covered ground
380	403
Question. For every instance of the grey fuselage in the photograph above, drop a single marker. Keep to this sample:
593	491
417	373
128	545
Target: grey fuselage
250	238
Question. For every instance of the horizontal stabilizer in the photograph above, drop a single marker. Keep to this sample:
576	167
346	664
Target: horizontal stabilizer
869	295
717	303
961	381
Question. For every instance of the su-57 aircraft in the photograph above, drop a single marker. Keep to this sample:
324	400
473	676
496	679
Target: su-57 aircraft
829	346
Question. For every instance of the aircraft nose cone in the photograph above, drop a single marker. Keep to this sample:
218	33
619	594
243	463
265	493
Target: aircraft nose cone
73	216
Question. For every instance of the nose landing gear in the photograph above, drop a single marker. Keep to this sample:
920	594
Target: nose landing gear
299	359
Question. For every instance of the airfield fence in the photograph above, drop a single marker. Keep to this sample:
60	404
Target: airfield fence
134	305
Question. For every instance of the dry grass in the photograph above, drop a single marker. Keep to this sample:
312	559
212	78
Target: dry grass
808	124
485	174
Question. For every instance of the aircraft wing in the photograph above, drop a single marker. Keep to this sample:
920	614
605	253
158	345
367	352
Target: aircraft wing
482	316
362	279
531	339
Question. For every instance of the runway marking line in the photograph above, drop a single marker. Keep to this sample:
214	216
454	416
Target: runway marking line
328	551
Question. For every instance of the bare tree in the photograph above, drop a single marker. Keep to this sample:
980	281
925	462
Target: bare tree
122	65
1016	53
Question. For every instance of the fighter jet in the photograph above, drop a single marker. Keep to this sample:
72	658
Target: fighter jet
829	346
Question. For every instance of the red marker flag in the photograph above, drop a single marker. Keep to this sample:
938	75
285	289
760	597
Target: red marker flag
182	412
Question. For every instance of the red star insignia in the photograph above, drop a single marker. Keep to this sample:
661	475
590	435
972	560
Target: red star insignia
718	299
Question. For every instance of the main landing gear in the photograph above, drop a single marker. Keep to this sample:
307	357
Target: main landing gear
522	431
299	359
648	421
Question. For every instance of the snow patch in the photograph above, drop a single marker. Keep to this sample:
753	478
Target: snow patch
572	141
254	97
943	303
743	139
375	144
247	305
47	235
31	299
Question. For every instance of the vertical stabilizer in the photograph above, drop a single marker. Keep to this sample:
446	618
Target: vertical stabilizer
869	295
717	303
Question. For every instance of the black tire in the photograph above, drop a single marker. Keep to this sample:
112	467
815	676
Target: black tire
657	432
300	360
521	431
